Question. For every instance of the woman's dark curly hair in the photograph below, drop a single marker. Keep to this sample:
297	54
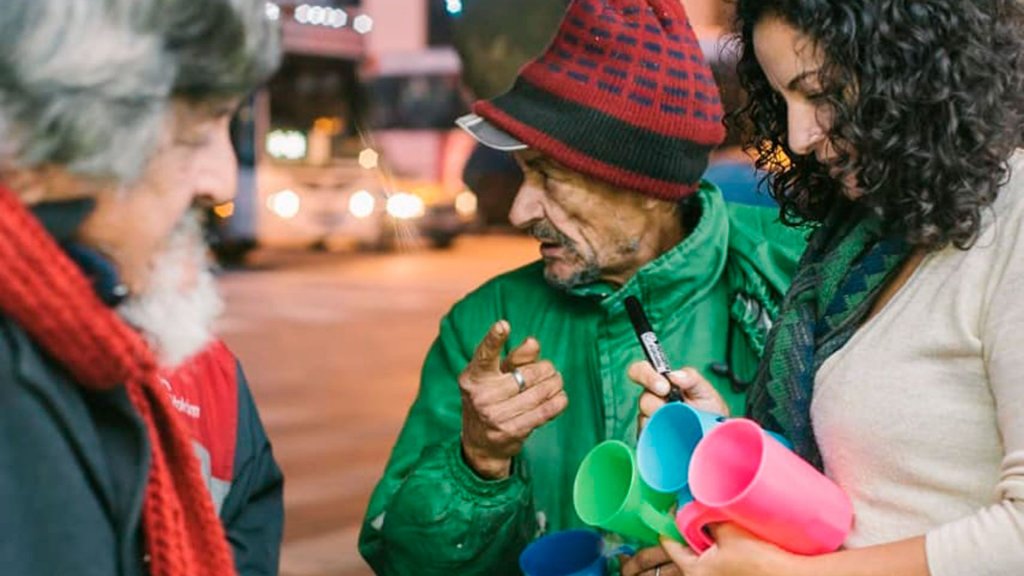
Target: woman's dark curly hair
927	98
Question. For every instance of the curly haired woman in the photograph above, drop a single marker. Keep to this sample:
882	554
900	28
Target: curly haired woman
897	362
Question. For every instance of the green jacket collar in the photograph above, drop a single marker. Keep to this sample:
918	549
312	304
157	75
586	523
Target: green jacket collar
680	275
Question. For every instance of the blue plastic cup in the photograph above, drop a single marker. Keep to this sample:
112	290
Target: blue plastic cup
667	442
568	553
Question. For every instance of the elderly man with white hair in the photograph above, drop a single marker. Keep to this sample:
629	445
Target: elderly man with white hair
129	442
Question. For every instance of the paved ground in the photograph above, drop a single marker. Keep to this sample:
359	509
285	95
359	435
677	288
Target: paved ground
332	344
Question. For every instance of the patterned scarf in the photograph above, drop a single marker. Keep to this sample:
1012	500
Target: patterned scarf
847	262
47	295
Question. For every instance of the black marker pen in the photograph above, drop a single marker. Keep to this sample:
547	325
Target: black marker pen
649	342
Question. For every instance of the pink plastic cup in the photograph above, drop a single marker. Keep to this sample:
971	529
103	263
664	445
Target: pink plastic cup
738	475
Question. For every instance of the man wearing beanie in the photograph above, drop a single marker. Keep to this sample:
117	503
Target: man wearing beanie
129	442
613	126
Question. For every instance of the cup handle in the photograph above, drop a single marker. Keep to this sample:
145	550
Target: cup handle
659	522
619	550
692	519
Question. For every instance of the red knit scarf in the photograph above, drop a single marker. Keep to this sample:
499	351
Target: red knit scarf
43	291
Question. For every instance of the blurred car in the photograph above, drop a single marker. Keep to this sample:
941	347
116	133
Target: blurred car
344	204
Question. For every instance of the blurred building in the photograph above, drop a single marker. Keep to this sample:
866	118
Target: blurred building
341	146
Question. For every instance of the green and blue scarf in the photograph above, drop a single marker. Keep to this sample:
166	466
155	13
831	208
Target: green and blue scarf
848	261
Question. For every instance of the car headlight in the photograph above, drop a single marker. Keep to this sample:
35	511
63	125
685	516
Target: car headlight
287	144
361	204
285	204
405	206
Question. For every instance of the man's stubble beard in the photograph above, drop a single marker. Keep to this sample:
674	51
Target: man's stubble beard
589	270
545	232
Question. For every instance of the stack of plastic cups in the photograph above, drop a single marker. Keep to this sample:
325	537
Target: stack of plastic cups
701	464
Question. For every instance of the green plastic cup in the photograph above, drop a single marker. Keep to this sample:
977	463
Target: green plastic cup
609	494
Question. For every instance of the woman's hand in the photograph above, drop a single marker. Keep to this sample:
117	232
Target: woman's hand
651	561
736	552
696	391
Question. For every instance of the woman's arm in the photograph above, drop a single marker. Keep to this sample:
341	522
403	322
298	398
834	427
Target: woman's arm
738	553
902	558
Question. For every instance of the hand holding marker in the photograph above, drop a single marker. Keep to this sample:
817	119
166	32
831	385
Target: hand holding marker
649	342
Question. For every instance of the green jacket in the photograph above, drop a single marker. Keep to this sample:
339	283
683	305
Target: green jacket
430	514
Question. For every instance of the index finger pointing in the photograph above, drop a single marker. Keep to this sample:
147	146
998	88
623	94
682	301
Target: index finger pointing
487	357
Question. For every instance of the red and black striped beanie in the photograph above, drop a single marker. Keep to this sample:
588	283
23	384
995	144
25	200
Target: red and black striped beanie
622	94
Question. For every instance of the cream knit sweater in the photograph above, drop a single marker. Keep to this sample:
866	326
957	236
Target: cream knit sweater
920	417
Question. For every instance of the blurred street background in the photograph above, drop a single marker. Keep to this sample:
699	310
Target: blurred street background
362	215
332	346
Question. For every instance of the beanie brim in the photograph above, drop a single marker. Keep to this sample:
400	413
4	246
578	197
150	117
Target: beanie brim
488	134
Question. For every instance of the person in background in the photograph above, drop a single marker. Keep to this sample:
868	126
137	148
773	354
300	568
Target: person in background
612	125
115	122
895	365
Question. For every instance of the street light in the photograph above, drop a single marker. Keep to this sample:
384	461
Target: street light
362	24
273	11
317	15
368	158
337	18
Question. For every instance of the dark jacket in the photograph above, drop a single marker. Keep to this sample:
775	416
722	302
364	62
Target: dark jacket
73	467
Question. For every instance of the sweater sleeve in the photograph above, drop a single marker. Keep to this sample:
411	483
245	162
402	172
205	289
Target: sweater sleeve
430	513
991	541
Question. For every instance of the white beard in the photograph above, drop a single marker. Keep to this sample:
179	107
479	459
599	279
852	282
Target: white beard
181	302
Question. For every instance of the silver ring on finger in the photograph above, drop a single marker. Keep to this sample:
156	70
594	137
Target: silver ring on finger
657	570
520	381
